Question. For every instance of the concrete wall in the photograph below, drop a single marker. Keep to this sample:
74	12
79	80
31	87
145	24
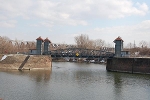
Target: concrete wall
34	62
130	65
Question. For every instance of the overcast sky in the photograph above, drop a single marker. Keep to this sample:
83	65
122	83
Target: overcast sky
62	20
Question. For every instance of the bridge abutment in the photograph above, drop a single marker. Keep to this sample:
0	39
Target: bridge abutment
129	65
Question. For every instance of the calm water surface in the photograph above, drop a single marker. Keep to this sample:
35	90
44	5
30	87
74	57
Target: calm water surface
73	81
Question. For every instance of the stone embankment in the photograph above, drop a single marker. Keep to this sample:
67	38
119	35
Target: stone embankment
25	62
130	65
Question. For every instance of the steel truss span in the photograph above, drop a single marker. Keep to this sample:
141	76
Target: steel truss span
80	53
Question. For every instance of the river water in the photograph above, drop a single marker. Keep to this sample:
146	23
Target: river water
73	81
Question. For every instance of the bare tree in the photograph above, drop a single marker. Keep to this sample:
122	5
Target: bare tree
4	44
144	50
82	41
143	44
13	46
90	44
130	45
99	43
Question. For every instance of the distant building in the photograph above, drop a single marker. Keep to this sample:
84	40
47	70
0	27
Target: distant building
125	53
32	51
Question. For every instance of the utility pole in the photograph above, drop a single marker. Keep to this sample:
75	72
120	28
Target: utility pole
134	44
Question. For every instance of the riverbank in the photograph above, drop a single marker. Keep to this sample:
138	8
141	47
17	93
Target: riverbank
79	60
25	62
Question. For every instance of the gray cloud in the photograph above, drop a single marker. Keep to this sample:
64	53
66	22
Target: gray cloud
51	13
71	12
138	32
8	23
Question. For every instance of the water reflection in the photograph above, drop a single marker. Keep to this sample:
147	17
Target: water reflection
41	75
83	76
117	86
130	86
37	75
73	81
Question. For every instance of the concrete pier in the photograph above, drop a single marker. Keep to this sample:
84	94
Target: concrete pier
129	65
26	62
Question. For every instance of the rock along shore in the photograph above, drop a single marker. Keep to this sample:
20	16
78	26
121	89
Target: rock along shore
25	62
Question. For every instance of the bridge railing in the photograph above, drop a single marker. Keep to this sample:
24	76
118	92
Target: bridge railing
79	52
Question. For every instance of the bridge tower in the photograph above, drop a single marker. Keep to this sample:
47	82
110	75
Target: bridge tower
46	45
118	46
39	45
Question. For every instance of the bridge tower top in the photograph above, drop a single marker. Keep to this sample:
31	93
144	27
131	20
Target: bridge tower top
47	40
40	39
118	46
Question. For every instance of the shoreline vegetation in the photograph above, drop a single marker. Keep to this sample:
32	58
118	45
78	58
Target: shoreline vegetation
9	46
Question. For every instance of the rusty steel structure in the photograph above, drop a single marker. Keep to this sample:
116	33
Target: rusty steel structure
81	53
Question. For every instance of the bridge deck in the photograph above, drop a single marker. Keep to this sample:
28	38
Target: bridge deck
80	53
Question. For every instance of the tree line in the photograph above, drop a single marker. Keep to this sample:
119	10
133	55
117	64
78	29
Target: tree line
8	46
81	41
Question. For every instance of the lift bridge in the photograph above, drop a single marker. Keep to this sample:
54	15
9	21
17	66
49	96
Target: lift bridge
81	53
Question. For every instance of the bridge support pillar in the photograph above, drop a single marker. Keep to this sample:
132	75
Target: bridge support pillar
118	46
46	45
39	46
